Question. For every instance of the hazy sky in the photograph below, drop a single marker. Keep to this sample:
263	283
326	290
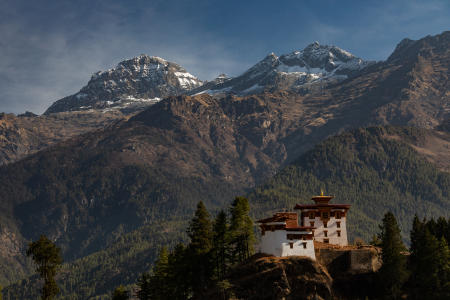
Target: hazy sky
49	49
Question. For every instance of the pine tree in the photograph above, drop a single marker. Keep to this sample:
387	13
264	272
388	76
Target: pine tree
417	241
429	262
200	230
158	282
442	228
393	272
199	254
120	293
428	265
180	285
443	291
144	285
220	248
416	237
241	230
48	259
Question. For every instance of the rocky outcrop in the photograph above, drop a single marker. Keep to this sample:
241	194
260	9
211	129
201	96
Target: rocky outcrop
341	273
268	277
28	133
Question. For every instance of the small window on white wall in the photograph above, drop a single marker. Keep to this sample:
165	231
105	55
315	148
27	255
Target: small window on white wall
304	245
291	245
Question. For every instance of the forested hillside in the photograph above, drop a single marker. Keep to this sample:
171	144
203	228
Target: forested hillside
374	169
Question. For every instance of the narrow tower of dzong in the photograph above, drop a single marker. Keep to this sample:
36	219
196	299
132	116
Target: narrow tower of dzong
328	220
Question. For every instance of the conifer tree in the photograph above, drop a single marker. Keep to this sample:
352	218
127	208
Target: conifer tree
145	288
393	272
179	271
220	248
120	293
444	270
442	228
200	230
428	265
201	235
241	230
416	237
417	240
429	262
158	285
1	292
48	259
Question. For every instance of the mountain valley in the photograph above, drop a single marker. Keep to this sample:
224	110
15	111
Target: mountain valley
142	143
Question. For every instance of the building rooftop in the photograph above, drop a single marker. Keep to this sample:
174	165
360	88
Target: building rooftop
290	220
322	201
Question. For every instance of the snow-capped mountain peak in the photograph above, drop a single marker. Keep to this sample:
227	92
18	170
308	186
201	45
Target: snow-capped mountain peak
137	81
315	63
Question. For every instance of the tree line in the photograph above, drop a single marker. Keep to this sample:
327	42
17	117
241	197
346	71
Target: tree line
425	272
189	270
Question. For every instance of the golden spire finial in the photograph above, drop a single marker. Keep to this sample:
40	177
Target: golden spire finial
321	192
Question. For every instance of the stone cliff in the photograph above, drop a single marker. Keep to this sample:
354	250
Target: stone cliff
338	273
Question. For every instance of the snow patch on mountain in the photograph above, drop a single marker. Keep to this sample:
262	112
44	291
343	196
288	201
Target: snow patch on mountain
140	80
316	63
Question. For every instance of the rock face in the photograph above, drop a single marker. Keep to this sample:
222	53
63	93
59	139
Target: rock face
278	278
134	83
316	64
337	274
28	133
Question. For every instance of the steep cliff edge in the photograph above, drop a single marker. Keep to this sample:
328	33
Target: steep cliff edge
338	273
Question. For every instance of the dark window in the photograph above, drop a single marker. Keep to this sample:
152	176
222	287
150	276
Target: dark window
263	232
325	224
291	245
338	215
304	245
312	224
326	241
339	233
293	236
338	224
325	215
325	233
332	214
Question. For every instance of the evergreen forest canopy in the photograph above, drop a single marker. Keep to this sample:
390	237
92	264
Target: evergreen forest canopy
216	247
373	169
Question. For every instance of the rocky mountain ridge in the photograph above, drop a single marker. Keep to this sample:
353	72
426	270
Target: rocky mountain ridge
28	133
316	64
145	80
133	83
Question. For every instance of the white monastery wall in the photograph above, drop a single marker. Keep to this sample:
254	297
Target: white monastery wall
332	230
277	244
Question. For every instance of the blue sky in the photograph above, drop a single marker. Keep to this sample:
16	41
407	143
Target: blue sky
49	49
